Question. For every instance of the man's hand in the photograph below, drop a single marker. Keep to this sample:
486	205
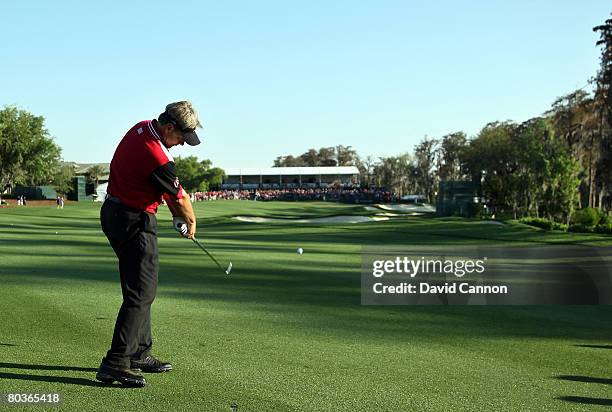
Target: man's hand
180	226
181	209
191	230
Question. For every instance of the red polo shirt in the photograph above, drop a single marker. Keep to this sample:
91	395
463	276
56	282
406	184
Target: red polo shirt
142	170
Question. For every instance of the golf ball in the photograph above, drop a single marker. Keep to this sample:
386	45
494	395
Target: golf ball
56	233
300	250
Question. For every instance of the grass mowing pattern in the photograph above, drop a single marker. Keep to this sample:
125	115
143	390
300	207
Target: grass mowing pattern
284	331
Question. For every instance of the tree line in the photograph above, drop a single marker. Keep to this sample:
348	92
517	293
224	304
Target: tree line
29	156
546	166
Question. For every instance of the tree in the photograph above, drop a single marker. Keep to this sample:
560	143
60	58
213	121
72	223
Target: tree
489	160
531	154
190	172
197	176
590	148
288	161
525	169
28	155
425	157
212	176
310	158
366	170
575	119
94	173
62	181
451	152
566	116
603	104
397	174
327	157
346	156
561	193
604	76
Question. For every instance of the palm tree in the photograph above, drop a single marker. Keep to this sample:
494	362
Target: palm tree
94	173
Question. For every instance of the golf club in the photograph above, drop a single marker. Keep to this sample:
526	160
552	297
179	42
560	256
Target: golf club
229	267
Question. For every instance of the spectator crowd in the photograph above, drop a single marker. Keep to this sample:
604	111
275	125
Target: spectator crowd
345	195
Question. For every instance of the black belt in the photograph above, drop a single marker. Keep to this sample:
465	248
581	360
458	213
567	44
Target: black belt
118	202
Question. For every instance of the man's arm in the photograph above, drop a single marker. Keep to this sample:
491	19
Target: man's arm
181	207
164	178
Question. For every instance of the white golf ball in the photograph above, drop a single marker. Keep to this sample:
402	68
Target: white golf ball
56	233
300	250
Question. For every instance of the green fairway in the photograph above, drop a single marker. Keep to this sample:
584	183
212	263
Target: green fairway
286	331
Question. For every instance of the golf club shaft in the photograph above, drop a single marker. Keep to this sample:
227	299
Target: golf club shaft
209	255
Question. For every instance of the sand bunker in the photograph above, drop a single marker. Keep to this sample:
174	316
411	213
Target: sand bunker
390	214
400	215
331	219
492	222
407	208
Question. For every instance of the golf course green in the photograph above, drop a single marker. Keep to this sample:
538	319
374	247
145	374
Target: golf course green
286	331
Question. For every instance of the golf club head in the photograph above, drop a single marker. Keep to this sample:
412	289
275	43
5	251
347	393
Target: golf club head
226	271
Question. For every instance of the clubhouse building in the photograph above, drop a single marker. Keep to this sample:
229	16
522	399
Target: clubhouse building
290	177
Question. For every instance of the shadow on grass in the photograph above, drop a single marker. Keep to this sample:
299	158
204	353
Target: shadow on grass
52	379
587	401
7	344
586	379
45	367
595	346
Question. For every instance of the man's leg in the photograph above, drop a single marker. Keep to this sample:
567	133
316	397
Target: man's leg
141	359
145	340
124	230
138	267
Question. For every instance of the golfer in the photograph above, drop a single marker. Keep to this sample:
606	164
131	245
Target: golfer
142	173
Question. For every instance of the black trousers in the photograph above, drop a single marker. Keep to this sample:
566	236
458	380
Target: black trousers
133	236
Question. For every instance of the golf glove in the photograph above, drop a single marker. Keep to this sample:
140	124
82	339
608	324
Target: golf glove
180	226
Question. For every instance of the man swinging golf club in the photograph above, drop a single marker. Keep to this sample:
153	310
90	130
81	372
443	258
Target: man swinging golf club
142	172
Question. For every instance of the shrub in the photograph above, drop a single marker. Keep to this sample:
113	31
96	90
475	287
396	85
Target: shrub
543	223
606	220
605	228
588	216
581	228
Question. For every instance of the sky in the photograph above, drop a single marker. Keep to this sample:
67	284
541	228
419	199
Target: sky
272	78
